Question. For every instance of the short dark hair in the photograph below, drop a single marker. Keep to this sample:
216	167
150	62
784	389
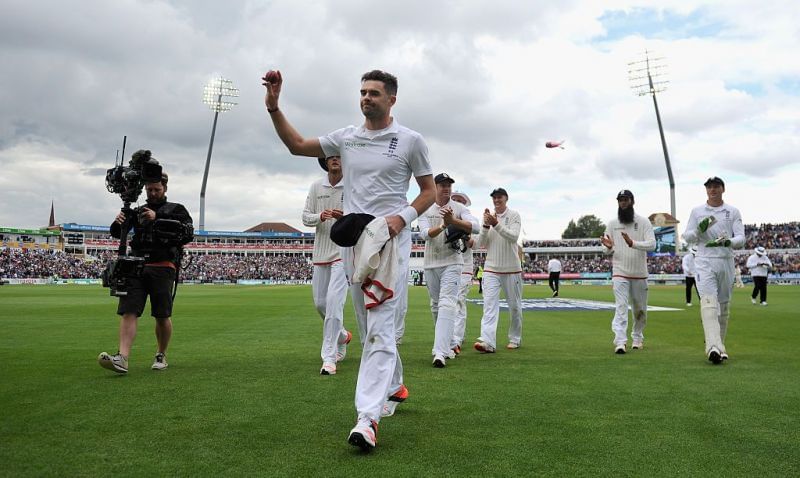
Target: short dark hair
389	80
164	179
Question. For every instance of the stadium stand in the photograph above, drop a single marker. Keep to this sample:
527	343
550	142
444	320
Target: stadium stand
73	251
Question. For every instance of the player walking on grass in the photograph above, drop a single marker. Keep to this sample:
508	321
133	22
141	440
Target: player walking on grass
628	237
717	229
502	270
378	160
443	263
328	284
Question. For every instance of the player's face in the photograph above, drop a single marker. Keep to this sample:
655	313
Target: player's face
155	192
714	191
499	201
624	202
375	102
443	191
334	164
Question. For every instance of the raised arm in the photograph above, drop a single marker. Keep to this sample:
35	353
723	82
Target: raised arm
294	141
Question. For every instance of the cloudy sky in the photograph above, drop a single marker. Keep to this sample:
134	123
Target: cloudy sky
486	82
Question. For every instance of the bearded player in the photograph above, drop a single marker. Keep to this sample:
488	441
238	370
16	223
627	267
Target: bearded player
628	237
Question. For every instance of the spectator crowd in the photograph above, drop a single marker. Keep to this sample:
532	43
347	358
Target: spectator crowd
38	263
773	236
563	243
34	263
216	267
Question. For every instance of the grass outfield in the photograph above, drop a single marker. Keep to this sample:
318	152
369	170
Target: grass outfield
243	395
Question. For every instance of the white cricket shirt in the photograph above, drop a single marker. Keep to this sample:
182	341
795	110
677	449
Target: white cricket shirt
687	264
759	265
728	223
554	265
377	166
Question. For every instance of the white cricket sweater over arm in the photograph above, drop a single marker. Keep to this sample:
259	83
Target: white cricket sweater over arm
500	241
375	257
728	223
321	196
631	261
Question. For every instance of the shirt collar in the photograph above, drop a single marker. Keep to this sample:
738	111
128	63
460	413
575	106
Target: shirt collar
715	208
363	132
327	183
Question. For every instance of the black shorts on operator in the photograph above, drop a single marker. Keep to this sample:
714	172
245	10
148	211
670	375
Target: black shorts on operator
156	282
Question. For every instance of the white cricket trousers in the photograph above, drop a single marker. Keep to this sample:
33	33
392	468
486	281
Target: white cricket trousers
460	325
714	276
329	287
380	373
633	292
443	285
511	284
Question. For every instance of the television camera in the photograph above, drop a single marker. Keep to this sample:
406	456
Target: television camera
128	182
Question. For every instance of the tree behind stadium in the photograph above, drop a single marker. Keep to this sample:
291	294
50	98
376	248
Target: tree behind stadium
587	226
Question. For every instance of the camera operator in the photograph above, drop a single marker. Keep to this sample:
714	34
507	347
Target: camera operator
161	265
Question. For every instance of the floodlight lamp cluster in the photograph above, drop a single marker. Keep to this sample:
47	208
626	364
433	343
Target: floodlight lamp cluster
646	75
216	93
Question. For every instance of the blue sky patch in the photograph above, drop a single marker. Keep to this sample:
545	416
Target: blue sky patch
752	89
660	24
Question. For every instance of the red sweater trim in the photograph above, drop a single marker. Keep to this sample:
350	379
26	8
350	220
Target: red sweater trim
325	263
376	301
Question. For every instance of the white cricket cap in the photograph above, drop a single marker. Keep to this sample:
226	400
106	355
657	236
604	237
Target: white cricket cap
760	251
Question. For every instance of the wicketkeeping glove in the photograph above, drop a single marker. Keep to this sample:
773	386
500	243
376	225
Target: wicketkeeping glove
706	223
721	241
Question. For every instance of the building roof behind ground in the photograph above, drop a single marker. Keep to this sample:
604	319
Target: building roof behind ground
272	227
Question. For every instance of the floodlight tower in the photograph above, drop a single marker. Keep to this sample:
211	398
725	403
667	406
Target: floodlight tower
215	95
647	69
